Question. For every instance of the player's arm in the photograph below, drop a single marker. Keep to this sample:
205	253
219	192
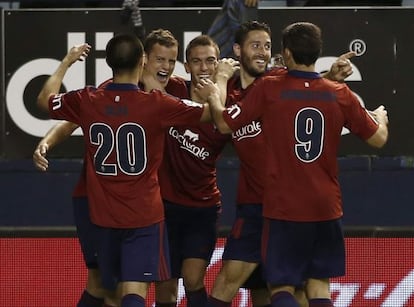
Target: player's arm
341	68
380	137
54	82
208	90
216	111
215	106
225	70
54	136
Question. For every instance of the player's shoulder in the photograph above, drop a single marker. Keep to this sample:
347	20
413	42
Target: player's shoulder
269	79
336	86
105	83
276	71
177	86
273	75
176	81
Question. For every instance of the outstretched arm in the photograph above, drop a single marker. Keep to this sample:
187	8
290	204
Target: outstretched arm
380	137
341	68
54	136
52	85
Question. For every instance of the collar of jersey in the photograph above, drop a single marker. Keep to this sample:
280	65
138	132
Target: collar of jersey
122	87
304	74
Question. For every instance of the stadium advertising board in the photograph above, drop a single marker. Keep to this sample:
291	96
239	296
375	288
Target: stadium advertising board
36	40
380	272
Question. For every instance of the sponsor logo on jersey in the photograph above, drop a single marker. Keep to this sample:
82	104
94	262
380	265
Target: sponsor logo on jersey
249	131
234	111
187	142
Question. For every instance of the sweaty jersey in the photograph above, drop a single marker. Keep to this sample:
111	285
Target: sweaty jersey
249	144
302	116
124	131
188	171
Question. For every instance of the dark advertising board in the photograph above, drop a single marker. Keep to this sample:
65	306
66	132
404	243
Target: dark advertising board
36	40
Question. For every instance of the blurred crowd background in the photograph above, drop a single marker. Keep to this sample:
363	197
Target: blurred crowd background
196	3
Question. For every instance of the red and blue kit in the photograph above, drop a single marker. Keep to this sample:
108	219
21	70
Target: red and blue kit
302	116
124	131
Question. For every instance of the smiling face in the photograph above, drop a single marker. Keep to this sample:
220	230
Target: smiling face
202	63
161	62
255	52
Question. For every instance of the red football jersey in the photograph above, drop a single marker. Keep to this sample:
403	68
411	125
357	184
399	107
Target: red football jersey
302	116
248	142
124	131
188	172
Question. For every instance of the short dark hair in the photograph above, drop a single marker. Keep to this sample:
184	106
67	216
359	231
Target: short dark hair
304	40
248	26
159	36
123	52
201	40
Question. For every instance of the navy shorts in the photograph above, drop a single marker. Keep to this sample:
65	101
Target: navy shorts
192	233
296	251
244	242
137	254
87	232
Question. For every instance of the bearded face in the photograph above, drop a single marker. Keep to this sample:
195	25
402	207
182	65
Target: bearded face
255	53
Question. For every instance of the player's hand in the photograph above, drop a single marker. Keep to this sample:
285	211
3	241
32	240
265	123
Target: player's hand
341	68
77	53
205	88
251	3
380	114
226	68
39	157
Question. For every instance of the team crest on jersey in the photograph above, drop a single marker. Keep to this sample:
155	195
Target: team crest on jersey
249	131
187	142
191	103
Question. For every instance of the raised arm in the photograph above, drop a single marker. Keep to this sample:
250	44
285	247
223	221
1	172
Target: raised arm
53	83
380	137
341	68
215	106
216	111
225	70
54	136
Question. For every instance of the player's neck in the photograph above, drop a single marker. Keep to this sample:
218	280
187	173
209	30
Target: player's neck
126	78
245	78
301	67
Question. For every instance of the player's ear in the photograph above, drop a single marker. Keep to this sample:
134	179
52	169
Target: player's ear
187	68
145	58
236	50
287	55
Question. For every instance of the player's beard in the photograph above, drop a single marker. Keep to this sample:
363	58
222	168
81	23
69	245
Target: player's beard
250	69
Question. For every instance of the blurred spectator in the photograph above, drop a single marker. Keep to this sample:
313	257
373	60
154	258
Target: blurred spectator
352	3
68	3
232	14
131	12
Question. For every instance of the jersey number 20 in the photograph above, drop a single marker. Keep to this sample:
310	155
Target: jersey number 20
129	144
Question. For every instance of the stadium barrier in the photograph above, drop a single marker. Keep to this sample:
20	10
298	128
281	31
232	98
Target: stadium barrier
43	267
